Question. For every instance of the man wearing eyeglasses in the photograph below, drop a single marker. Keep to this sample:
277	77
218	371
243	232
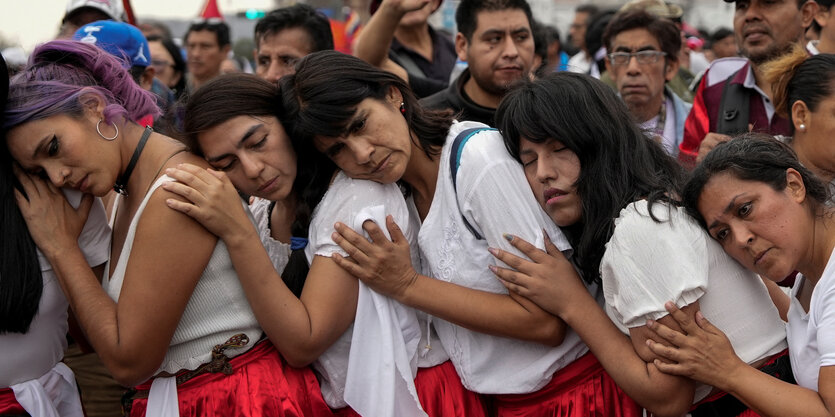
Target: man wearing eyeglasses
732	98
643	56
207	45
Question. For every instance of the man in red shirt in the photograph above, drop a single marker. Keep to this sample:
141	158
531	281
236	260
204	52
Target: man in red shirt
763	30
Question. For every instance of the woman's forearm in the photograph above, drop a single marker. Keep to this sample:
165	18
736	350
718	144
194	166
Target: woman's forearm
485	312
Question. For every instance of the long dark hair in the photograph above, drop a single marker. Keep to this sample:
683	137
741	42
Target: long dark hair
233	95
750	157
21	283
327	87
618	164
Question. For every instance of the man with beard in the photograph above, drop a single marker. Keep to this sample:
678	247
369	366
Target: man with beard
764	29
495	38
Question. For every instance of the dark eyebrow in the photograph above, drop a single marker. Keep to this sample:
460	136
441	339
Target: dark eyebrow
727	209
520	31
492	32
639	49
249	132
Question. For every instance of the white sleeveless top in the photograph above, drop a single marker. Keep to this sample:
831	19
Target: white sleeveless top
216	311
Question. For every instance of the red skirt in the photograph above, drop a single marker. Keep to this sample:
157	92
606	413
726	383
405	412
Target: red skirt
581	389
261	384
442	394
8	403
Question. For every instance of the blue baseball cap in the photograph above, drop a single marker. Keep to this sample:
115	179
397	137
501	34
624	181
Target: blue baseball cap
119	39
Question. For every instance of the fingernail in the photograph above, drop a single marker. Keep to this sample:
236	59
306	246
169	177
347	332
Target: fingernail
168	170
508	237
699	315
649	342
493	251
493	268
650	323
169	201
334	236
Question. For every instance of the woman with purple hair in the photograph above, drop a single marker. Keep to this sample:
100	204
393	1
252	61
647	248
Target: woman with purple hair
170	316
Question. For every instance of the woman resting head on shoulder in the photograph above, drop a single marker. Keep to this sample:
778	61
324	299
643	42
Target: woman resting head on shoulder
614	191
769	213
170	301
238	127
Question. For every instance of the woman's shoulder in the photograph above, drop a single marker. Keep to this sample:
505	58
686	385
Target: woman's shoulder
354	189
635	221
347	196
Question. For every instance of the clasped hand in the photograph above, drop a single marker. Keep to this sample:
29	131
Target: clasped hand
382	264
53	223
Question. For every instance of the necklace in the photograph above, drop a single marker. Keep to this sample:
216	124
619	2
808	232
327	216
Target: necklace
121	185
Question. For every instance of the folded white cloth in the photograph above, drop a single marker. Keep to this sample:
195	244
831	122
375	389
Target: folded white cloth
162	398
382	363
54	394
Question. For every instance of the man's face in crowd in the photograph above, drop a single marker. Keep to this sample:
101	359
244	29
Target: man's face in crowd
577	30
278	52
725	47
500	51
203	53
640	84
765	29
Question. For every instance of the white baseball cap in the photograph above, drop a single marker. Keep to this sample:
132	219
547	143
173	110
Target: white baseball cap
112	8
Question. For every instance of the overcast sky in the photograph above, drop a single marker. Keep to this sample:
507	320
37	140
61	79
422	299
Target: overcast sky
30	22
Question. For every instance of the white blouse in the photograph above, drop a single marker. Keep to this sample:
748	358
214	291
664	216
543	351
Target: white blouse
30	355
30	363
278	251
648	263
812	335
494	196
372	366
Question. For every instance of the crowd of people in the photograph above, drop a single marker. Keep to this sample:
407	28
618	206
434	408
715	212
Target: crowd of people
472	225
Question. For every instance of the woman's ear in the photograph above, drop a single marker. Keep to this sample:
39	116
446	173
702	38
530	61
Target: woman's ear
394	96
795	187
93	105
800	114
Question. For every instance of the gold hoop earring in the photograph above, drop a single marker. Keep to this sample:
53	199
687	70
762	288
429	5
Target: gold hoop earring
98	130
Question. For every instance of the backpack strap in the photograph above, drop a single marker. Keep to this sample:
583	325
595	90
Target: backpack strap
409	64
734	108
455	161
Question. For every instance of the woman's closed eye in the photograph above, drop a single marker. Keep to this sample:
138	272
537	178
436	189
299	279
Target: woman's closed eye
335	150
227	166
260	144
52	146
357	125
